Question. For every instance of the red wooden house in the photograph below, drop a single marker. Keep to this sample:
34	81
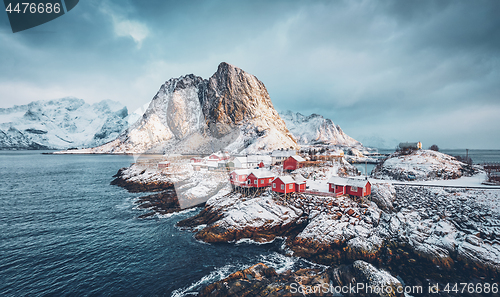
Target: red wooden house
283	184
350	186
219	156
288	184
239	177
293	162
260	178
196	159
164	164
337	185
300	183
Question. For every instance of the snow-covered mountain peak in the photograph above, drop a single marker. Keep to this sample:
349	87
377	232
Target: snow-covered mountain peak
62	123
315	129
231	111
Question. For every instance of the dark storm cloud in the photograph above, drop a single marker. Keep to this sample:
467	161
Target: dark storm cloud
382	70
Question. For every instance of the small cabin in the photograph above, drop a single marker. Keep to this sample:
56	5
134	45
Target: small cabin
410	145
293	162
349	186
218	156
260	178
288	184
278	156
239	177
283	184
196	160
240	162
300	183
163	165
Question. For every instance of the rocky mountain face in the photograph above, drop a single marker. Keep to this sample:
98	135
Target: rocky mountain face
61	124
315	129
230	111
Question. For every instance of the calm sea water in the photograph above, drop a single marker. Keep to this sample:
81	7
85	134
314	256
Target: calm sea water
66	232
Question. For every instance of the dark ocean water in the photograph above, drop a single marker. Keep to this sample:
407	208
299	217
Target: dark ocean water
66	232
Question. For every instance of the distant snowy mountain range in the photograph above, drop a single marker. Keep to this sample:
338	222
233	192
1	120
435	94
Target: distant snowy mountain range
315	129
230	111
61	124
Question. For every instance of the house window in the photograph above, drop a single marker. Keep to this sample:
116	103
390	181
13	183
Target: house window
262	181
255	181
274	185
354	189
282	187
290	186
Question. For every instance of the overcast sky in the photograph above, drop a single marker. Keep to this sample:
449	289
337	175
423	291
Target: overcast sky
385	71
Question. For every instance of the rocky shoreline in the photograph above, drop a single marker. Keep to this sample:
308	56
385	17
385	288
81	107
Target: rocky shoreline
420	234
138	186
260	280
162	203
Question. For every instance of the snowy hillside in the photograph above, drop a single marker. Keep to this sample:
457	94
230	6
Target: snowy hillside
315	129
230	111
61	124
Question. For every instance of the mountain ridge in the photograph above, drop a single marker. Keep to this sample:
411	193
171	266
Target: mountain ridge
315	129
61	124
229	111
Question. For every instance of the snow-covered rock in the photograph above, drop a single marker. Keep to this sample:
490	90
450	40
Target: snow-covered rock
383	194
61	124
230	111
232	217
191	187
441	223
315	129
423	165
444	228
381	282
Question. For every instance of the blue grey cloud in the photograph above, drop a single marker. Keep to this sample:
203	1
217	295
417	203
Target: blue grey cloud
409	70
